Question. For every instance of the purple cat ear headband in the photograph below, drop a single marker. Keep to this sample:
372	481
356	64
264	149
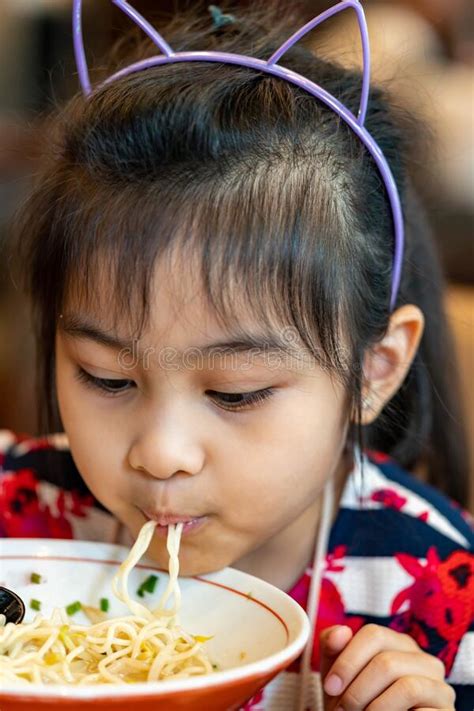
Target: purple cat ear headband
271	66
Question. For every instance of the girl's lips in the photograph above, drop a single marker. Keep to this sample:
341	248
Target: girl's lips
189	524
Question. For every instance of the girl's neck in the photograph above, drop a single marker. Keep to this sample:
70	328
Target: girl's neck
283	559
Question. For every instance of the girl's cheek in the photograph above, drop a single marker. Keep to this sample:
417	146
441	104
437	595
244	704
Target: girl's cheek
94	447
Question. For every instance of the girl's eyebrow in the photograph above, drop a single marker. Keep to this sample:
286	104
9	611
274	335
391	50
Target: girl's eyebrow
80	327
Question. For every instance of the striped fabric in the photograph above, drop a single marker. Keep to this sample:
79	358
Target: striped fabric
400	554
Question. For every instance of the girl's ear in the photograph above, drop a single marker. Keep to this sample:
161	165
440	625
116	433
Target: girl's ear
387	363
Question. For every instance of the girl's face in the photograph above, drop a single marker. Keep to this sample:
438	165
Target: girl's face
238	441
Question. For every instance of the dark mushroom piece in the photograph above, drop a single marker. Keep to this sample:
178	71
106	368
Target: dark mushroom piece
11	606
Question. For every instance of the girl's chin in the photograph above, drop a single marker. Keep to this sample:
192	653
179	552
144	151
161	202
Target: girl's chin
192	561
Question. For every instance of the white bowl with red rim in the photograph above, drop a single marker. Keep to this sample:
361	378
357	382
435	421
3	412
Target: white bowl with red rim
257	630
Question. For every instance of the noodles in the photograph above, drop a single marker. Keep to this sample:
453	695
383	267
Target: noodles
147	645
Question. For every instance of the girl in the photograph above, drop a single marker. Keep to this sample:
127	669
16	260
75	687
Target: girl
209	254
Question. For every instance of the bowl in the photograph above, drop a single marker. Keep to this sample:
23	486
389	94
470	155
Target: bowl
257	630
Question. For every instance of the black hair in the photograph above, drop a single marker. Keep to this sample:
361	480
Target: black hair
275	194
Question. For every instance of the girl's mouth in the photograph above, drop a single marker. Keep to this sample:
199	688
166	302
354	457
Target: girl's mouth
190	524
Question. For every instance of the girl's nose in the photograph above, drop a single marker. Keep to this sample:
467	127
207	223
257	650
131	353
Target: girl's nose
167	447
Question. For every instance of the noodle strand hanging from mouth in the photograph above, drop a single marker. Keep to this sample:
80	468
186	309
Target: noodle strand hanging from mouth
148	645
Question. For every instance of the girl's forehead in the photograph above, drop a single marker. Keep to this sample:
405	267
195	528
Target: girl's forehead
178	312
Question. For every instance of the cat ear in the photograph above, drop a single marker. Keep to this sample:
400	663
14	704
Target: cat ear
340	7
79	52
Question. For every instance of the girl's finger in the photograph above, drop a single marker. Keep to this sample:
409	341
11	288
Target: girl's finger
415	692
383	670
366	643
332	641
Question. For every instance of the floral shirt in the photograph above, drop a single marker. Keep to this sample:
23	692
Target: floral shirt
400	554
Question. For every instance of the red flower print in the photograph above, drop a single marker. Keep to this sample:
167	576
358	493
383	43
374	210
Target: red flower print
74	503
442	596
20	511
448	655
389	498
378	457
406	624
457	575
301	590
332	558
23	513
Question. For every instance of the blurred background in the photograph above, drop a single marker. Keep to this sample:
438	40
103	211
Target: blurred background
422	50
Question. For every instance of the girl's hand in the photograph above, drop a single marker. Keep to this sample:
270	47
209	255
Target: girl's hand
379	669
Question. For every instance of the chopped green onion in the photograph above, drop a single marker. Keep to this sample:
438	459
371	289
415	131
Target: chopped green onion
104	604
35	578
73	608
148	585
35	605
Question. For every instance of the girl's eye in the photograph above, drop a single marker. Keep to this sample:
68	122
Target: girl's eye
108	386
111	387
239	401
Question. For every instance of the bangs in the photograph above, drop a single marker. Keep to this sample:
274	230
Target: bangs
255	251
